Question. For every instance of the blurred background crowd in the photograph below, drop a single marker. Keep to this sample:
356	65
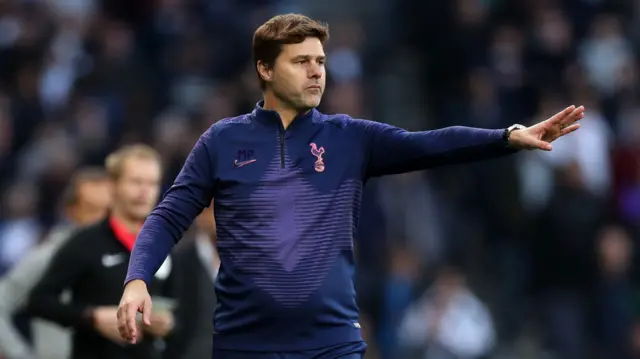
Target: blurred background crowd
526	257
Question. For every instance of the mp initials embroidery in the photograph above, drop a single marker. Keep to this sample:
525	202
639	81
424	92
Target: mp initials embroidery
318	152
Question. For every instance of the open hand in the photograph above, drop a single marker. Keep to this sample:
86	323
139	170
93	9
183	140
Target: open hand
540	135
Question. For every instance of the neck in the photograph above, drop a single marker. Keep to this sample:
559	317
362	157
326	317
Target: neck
287	113
132	225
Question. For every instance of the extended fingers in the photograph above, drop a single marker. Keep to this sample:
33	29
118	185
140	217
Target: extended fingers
562	115
567	130
127	322
567	116
132	328
122	323
574	116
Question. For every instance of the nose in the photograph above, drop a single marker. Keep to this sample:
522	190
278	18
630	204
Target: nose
315	70
144	191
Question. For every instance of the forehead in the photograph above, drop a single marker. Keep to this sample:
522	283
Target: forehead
137	165
311	46
138	161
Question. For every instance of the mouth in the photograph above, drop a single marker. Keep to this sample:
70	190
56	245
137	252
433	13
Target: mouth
314	87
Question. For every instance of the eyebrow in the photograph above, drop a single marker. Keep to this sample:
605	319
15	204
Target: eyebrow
309	57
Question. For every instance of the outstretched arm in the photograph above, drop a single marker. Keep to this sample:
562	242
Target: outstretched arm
392	150
191	192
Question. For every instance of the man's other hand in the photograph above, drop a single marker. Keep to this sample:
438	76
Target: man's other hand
540	135
161	324
105	322
135	299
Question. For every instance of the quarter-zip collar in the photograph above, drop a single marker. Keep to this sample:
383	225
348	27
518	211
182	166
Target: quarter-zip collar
272	118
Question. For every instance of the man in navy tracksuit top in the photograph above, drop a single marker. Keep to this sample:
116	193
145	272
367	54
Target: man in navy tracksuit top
286	182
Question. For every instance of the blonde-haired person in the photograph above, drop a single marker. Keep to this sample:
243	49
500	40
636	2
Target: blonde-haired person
92	265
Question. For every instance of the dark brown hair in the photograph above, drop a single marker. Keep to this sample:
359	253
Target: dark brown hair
84	175
282	30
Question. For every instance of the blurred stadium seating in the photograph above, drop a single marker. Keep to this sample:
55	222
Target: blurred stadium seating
539	248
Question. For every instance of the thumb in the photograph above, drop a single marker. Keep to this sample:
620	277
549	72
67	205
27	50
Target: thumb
146	311
542	145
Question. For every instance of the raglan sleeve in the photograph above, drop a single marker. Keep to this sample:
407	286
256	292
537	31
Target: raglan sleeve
392	150
191	192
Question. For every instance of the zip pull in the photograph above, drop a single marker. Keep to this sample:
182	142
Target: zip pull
281	149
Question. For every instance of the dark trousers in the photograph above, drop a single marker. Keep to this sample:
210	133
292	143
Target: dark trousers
342	351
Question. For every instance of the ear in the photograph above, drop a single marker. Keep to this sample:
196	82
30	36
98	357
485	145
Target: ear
264	70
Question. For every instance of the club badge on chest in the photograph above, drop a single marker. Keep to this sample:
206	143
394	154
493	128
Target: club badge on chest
318	152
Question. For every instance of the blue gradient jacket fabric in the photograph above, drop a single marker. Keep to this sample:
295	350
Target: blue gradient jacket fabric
287	204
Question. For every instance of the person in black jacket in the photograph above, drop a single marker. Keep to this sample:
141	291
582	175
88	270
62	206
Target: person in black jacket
93	265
